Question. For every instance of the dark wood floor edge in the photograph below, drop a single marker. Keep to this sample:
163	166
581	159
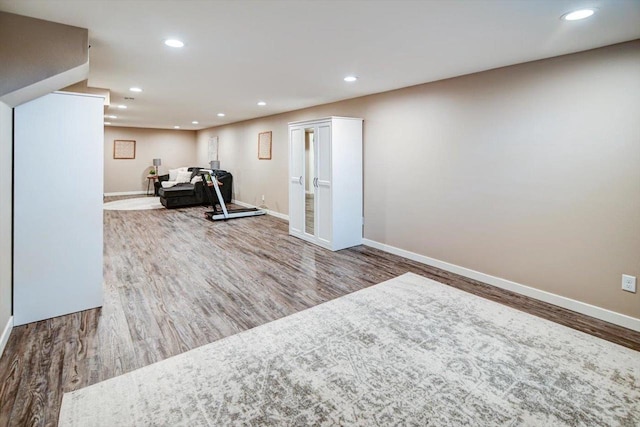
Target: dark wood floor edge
601	328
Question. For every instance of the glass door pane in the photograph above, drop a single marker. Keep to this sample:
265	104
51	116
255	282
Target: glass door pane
309	181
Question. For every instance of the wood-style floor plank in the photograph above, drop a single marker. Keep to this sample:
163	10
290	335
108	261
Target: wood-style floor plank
174	281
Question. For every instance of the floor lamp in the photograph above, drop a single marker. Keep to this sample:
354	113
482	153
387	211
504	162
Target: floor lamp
156	164
213	147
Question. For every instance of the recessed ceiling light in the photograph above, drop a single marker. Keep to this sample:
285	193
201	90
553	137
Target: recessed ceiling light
173	43
350	79
122	107
195	122
135	89
220	114
110	117
578	14
176	127
107	123
262	103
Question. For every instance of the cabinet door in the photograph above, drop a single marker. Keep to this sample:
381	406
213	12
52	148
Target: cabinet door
323	184
296	180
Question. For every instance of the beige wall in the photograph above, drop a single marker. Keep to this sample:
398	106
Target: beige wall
238	154
530	173
6	205
175	148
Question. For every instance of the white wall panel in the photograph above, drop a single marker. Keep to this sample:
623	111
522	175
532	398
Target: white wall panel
58	188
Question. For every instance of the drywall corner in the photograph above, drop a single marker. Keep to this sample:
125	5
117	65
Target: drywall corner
6	222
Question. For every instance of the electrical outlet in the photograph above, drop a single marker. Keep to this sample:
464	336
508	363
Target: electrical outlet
263	197
628	283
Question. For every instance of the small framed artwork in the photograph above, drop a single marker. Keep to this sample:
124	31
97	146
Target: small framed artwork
124	149
264	146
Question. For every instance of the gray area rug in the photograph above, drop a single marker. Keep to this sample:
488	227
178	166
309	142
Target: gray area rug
409	351
137	204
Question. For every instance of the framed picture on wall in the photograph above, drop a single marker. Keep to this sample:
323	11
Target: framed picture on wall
124	149
264	146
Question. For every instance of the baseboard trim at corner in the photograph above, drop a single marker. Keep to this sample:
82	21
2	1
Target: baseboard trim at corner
269	212
4	338
125	193
564	302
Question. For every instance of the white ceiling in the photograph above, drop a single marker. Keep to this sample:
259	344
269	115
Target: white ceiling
294	54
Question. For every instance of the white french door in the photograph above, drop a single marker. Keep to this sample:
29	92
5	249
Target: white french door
296	181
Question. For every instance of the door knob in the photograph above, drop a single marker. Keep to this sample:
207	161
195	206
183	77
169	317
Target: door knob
300	180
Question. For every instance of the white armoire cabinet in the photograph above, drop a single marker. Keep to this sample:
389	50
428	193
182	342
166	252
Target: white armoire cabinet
58	187
325	181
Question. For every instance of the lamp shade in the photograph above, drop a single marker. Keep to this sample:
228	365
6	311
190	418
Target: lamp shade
157	162
215	164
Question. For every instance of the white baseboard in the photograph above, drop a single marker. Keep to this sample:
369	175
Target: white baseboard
269	212
277	214
125	193
564	302
5	335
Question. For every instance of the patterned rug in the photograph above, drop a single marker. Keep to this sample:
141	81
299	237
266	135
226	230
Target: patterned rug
409	351
137	204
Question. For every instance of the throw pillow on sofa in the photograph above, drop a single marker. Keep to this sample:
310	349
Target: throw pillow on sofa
173	173
183	177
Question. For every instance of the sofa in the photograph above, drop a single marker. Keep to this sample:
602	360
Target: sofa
192	193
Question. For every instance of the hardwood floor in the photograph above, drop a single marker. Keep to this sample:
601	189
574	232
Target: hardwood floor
174	281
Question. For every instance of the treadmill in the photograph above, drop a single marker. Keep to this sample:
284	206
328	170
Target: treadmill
224	214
